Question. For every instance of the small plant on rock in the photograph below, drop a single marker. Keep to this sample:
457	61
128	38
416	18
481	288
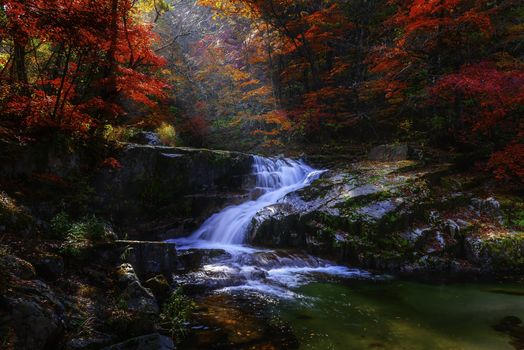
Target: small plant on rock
176	313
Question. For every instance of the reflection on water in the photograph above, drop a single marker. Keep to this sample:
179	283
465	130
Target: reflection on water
403	315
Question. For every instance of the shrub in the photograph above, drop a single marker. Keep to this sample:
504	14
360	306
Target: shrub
119	133
167	134
60	225
78	235
176	312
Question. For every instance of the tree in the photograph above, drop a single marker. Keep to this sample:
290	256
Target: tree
70	65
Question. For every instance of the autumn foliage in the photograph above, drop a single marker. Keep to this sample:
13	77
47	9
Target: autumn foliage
445	73
71	65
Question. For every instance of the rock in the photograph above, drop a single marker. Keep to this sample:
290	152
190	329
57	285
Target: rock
451	227
151	258
146	342
18	267
389	153
192	259
432	241
474	251
158	181
15	217
88	343
434	218
136	297
489	207
274	226
160	288
50	266
146	138
32	317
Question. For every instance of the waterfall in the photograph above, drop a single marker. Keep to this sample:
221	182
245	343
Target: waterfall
244	268
275	178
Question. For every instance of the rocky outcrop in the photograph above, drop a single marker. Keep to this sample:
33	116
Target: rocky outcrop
392	216
163	182
343	208
390	153
136	297
33	317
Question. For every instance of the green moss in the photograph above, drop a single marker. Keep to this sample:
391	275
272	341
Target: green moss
507	253
217	158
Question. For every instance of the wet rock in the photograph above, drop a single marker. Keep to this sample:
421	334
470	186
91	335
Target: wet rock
192	259
136	297
50	266
275	226
151	258
146	342
389	153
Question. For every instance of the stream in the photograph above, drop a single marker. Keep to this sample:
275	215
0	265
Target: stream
321	305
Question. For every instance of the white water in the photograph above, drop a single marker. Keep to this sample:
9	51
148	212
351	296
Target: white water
275	178
260	270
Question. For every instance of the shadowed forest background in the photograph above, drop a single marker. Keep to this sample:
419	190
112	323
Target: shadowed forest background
270	75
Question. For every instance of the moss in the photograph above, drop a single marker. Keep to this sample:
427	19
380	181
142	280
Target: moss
506	253
217	158
513	210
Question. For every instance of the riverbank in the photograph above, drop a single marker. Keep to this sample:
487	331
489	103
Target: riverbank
73	274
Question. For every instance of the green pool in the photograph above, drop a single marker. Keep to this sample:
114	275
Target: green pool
403	315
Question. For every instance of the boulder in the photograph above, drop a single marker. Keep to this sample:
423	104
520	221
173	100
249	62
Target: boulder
389	153
89	343
160	288
153	341
32	317
137	298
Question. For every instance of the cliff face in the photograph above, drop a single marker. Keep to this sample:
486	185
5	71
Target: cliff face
171	189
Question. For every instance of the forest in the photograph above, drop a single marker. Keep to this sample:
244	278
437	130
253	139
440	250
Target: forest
261	174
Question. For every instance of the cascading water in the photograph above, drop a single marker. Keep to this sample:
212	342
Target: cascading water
266	271
275	179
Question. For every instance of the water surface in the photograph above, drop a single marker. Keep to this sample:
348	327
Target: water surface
402	315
